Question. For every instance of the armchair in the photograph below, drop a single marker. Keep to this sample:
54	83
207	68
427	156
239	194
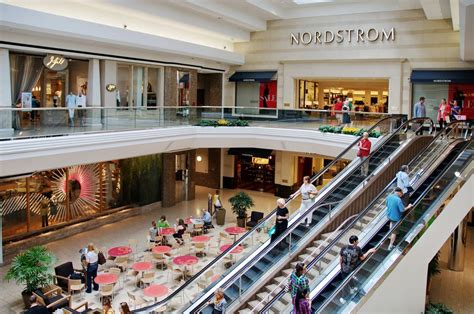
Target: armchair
75	310
64	272
52	298
255	218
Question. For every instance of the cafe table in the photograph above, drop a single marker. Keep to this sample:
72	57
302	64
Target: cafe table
156	291
185	261
106	279
238	249
200	239
234	231
165	232
161	249
119	251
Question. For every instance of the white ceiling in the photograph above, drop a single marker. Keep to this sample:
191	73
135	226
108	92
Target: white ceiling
221	23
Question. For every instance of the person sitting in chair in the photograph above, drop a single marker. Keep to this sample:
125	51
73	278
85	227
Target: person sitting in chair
206	218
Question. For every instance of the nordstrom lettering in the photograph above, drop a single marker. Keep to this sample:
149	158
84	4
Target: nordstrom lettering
342	35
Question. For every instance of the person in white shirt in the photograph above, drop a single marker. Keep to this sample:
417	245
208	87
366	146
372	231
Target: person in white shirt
81	103
403	182
308	191
92	260
71	104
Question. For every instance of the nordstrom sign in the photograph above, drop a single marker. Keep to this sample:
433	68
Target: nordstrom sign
343	35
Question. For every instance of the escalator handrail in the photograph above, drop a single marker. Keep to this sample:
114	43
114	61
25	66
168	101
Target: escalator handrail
387	235
316	206
265	219
321	254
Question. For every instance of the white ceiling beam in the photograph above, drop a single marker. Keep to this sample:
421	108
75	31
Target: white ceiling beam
454	4
436	9
466	25
268	7
228	13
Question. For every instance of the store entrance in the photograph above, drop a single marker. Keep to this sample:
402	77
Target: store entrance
305	167
255	173
55	83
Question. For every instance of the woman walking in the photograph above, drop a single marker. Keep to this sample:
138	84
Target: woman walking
308	192
282	215
444	113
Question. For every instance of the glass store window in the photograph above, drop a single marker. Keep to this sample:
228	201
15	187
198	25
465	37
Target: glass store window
138	86
308	94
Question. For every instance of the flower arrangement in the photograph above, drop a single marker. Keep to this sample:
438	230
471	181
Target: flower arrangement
223	122
347	130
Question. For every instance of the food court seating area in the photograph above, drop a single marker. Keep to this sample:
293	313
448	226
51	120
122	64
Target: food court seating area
142	271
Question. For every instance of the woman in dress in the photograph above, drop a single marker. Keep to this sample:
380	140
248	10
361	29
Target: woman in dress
282	215
444	113
308	192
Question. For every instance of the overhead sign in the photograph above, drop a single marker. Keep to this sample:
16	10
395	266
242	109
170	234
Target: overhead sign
55	62
343	35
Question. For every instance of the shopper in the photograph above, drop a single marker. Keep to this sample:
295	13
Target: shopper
206	218
403	182
282	215
455	110
163	223
124	308
350	255
71	104
153	231
297	282
107	306
180	228
419	111
44	212
302	302
346	118
364	151
337	109
219	303
308	192
444	113
395	209
35	104
92	264
216	201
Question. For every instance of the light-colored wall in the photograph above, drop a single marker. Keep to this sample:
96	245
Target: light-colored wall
203	165
108	75
419	44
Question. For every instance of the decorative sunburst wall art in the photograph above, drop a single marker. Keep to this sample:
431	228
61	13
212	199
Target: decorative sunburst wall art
84	195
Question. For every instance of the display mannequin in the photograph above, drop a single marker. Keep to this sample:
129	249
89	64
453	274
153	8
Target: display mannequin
81	103
71	104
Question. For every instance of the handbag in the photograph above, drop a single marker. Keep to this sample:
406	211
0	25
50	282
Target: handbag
447	119
271	231
101	258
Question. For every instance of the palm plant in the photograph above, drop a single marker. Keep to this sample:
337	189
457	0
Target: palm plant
241	202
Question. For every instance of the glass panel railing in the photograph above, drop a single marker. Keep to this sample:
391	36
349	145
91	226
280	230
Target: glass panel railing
326	255
50	121
351	289
246	277
245	246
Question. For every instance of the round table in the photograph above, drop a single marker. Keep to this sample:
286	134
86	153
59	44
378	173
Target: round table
235	231
238	249
185	260
119	251
156	291
142	266
105	279
167	231
161	249
200	239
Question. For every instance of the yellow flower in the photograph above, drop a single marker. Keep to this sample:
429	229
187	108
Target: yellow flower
222	122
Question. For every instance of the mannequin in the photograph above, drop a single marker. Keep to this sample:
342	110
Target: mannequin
81	103
71	104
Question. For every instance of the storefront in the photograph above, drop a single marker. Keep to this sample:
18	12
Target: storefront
254	169
451	85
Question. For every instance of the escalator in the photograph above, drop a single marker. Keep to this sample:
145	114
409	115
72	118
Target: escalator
247	276
342	295
322	259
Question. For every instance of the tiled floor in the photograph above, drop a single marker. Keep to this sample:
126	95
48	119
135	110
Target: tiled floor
119	233
456	289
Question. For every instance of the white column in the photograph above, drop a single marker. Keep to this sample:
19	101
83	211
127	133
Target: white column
108	75
5	94
93	93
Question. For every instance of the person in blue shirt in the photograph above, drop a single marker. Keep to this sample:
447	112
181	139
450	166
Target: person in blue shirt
403	182
419	111
395	209
206	218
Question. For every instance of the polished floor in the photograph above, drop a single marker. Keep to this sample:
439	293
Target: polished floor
119	233
456	288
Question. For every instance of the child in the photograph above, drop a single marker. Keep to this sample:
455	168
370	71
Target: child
302	302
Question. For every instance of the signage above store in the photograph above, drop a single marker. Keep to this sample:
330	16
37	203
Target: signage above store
341	36
55	62
260	161
111	87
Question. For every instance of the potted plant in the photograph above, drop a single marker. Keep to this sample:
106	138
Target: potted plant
240	203
31	268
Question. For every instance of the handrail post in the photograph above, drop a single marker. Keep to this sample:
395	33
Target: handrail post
289	246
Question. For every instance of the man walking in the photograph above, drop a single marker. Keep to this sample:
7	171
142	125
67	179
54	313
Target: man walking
364	152
403	182
395	208
350	255
419	111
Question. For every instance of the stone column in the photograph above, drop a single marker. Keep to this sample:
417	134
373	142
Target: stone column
458	247
6	128
108	75
169	181
191	174
93	117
